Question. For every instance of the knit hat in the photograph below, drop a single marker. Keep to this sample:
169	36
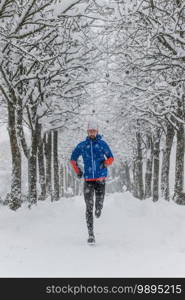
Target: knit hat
92	124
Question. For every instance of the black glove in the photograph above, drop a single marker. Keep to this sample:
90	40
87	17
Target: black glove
102	164
80	174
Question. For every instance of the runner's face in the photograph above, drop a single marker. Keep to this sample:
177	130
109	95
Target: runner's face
92	133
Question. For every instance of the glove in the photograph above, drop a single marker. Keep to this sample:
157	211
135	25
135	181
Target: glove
80	174
102	164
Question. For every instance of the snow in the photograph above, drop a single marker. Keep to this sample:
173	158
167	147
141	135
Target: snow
134	238
65	5
104	58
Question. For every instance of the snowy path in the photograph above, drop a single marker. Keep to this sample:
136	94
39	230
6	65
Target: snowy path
134	239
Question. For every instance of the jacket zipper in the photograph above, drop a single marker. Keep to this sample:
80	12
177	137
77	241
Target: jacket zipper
92	159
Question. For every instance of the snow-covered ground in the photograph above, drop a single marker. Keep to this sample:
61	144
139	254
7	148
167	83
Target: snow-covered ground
134	239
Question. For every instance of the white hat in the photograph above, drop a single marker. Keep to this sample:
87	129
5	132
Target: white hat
92	124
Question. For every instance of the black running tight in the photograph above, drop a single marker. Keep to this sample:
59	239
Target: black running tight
91	188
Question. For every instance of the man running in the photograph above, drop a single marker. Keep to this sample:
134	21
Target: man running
97	156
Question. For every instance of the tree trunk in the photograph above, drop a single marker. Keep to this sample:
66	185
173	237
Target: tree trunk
32	167
15	195
69	178
156	165
127	176
77	188
42	177
134	190
55	165
48	155
66	178
149	164
166	162
138	169
179	167
62	180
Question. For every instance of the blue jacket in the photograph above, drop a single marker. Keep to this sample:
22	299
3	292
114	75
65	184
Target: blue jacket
94	152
